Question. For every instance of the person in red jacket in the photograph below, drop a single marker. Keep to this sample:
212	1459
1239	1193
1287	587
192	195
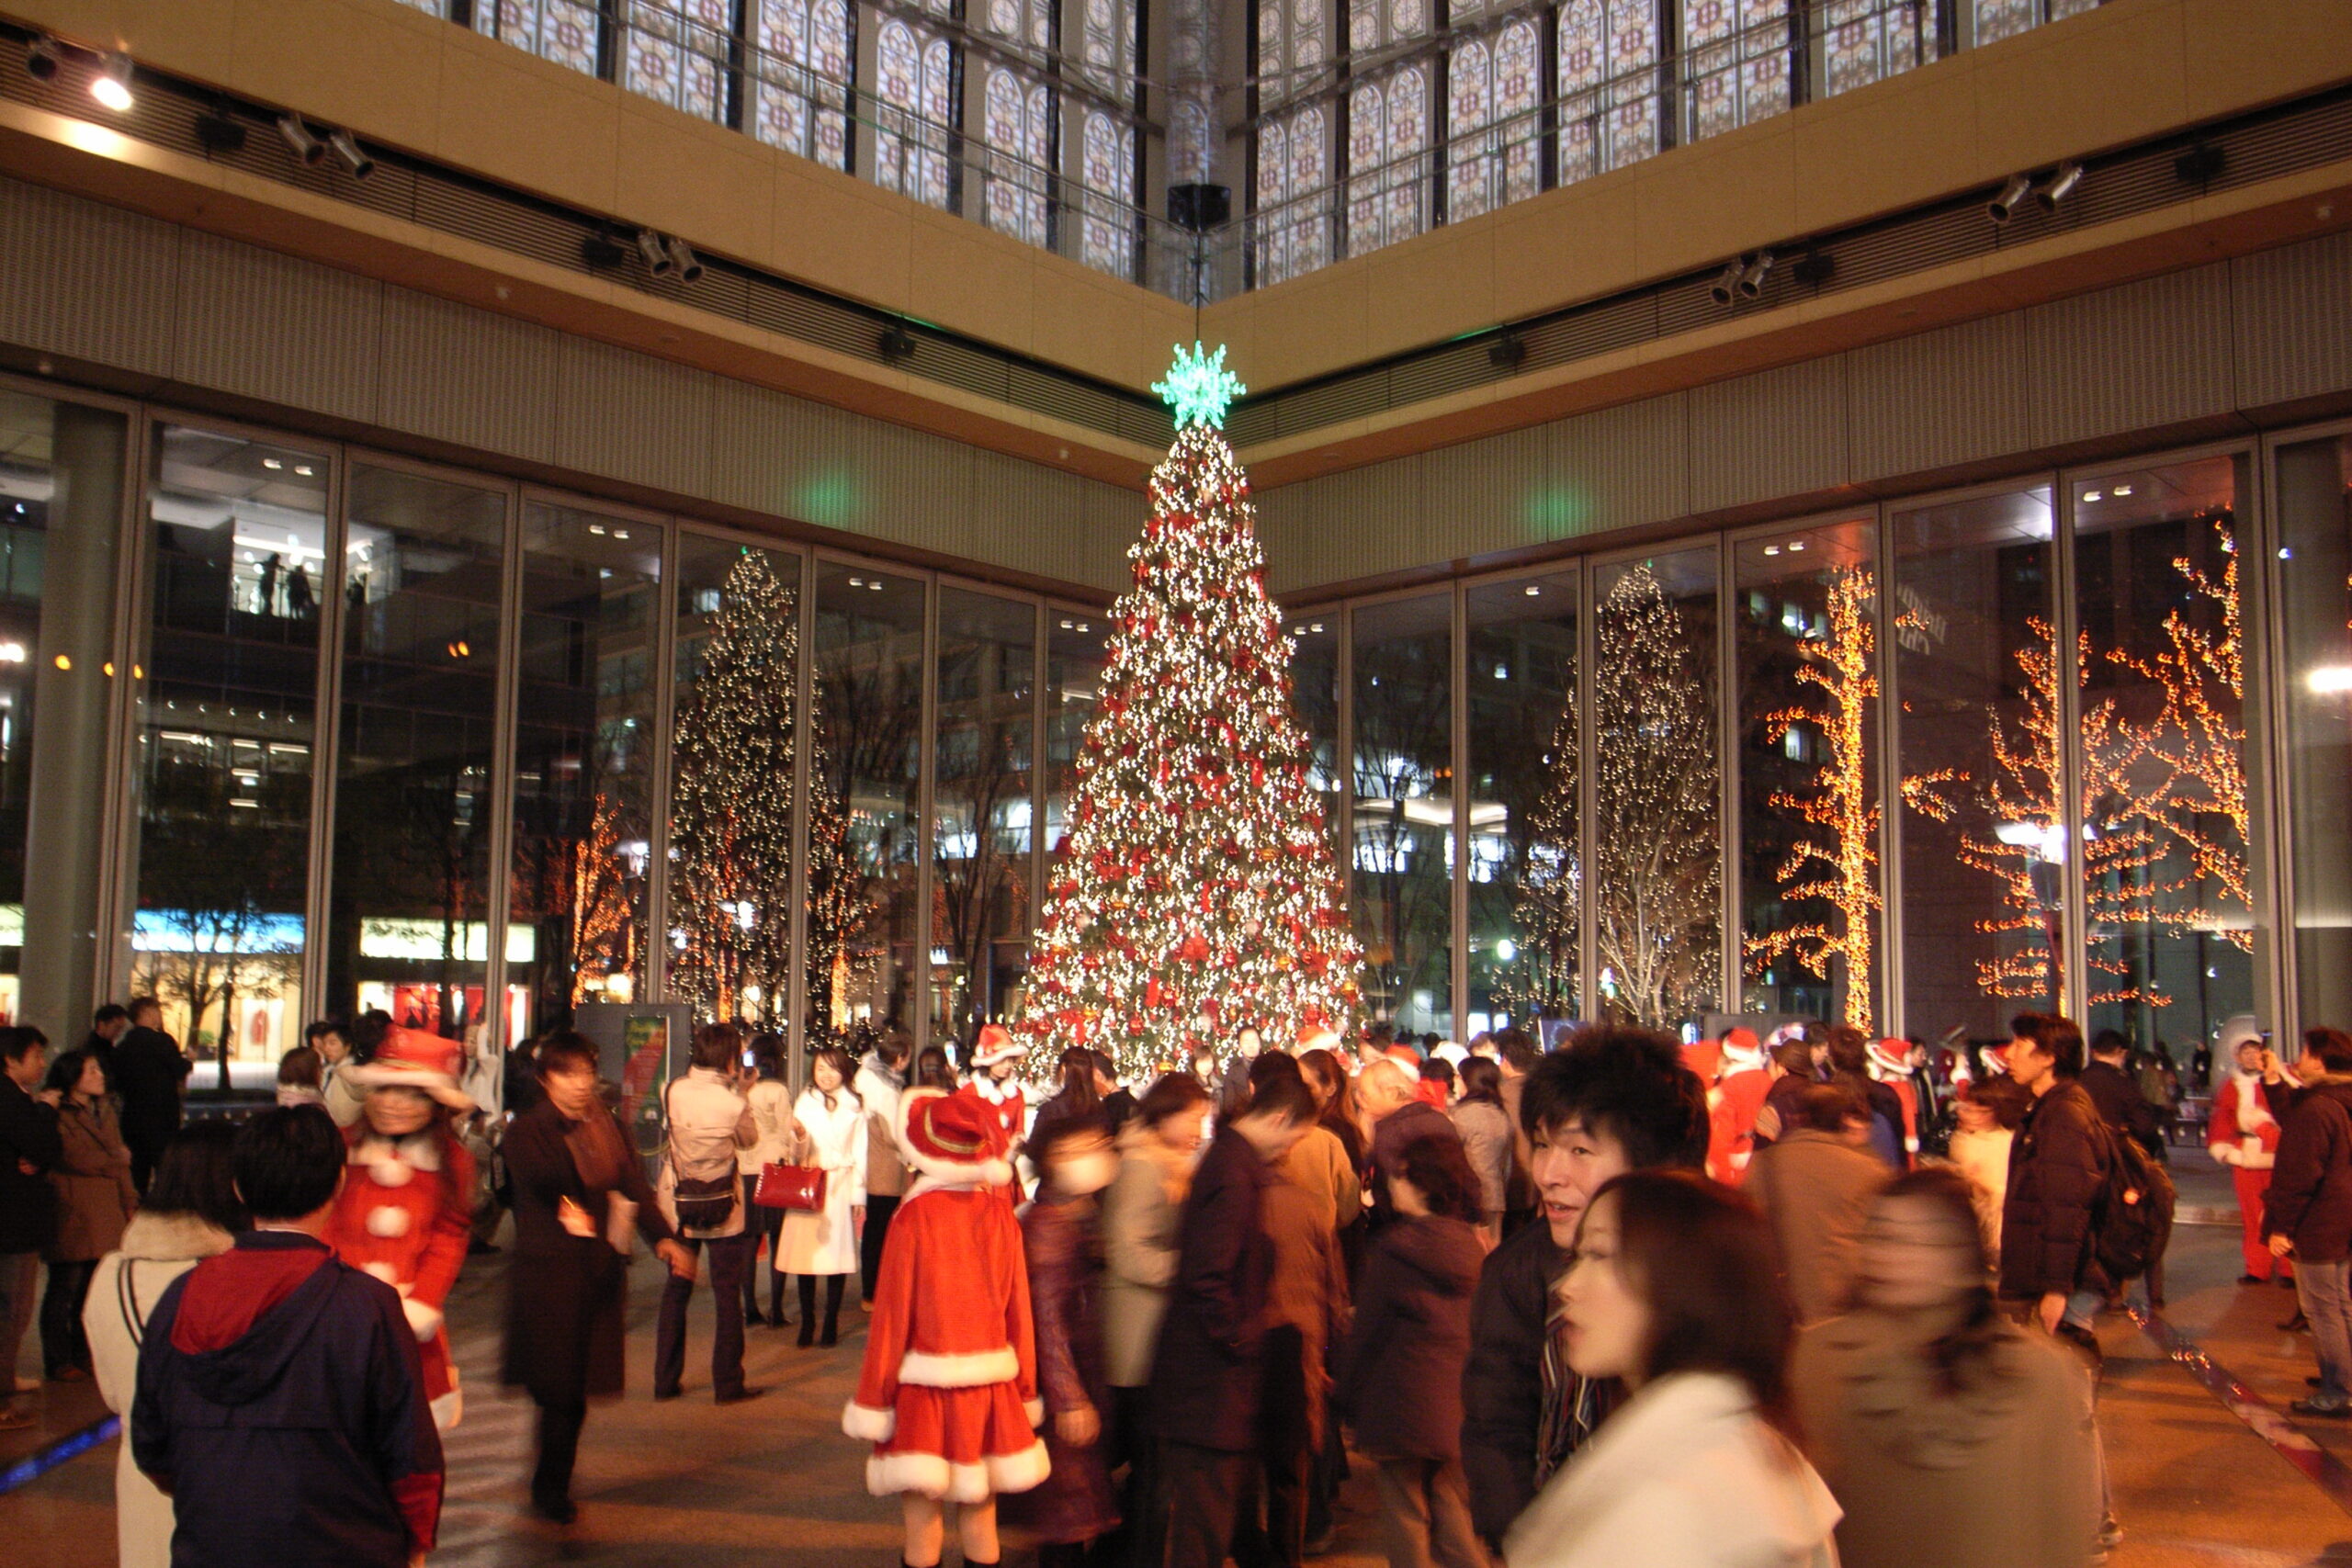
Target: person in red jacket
947	1394
1890	1064
2244	1135
1738	1100
406	1207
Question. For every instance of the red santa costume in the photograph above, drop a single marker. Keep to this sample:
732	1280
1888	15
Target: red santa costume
1737	1102
2244	1135
948	1392
406	1208
1003	1102
1890	1062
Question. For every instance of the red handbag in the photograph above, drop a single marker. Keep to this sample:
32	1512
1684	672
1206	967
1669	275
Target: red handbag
786	1185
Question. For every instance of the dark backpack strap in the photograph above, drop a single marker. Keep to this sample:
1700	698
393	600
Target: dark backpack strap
126	1294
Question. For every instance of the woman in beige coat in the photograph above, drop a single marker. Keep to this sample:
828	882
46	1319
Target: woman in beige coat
95	1199
1952	1438
190	1215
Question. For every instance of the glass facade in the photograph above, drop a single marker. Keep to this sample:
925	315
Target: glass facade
1838	767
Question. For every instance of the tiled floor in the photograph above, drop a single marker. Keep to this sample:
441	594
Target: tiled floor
774	1482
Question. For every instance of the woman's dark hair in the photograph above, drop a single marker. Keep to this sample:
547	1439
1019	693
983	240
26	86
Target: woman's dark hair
1078	1092
1829	1108
2004	1096
932	1070
1704	1263
1171	1094
1440	1170
1513	1045
1439	1071
767	1054
1328	1076
1962	1358
1849	1052
17	1039
566	1051
718	1046
288	1161
300	1067
2054	1035
1481	1080
2332	1046
66	1070
367	1031
319	1029
1267	1066
1285	1096
838	1059
1629	1084
196	1175
894	1048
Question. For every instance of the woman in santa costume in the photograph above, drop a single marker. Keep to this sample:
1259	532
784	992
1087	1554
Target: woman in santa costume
948	1394
995	1085
406	1207
2244	1135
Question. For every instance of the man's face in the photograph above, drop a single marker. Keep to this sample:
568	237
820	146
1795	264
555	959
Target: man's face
396	1110
2250	1056
27	1070
572	1091
332	1048
1570	1161
113	1029
2028	1061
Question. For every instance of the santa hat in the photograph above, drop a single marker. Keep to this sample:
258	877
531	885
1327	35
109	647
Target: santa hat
953	1138
1703	1057
1891	1055
1741	1050
1405	1057
1783	1035
2238	1029
410	1058
996	1044
1316	1037
1447	1051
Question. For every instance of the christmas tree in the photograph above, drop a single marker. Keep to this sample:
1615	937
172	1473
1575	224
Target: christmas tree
1198	895
1547	913
731	814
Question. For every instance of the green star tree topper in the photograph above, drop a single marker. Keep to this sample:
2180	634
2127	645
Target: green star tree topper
1195	896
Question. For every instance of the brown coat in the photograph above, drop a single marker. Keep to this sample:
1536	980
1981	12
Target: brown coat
94	1197
1816	1189
1999	1474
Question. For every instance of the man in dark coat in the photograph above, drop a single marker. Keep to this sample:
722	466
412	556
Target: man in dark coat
280	1398
2058	1166
29	1150
1399	1116
2308	1215
1611	1101
108	1026
2117	1094
1206	1377
578	1189
150	1072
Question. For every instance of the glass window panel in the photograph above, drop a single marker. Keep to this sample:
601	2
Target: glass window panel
1388	128
1735	62
561	30
583	761
408	914
1804	622
1107	196
1017	122
796	77
2315	617
227	727
1984	842
2167	810
1525	869
1076	651
915	72
1403	878
1608	85
1293	194
982	802
1315	689
869	676
1658	833
676	51
1862	42
1494	157
1994	20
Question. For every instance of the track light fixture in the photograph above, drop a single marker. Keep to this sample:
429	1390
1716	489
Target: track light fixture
2005	206
655	254
354	158
897	343
2062	186
1725	289
41	58
1751	282
111	85
682	259
306	148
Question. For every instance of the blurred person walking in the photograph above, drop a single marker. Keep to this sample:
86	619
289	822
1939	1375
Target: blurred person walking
769	1100
1486	1139
301	1079
95	1202
1986	1115
342	1096
2058	1168
1815	1185
29	1150
881	1080
149	1077
829	1124
2310	1214
1397	1114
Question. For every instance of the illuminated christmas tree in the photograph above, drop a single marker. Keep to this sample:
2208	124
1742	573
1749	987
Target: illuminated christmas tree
1656	853
1547	914
731	814
1198	895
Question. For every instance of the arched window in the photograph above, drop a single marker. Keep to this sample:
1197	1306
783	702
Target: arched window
1290	197
1108	192
1993	21
797	78
1864	42
676	52
1017	120
1388	129
1608	85
1492	152
1735	62
914	71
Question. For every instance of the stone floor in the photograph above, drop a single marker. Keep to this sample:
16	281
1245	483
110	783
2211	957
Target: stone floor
774	1481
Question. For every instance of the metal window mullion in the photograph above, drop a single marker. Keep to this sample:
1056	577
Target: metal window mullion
1890	787
659	784
2263	715
326	730
1344	766
804	779
925	779
1727	758
1459	741
506	736
2074	926
117	903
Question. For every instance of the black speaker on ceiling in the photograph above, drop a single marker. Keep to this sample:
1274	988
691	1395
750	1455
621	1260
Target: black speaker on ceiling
1199	209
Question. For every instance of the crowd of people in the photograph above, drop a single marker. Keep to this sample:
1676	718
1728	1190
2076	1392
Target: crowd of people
1801	1300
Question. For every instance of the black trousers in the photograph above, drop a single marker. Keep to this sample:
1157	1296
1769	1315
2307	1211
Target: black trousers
1141	1538
62	1342
558	1450
878	1210
1271	1515
1200	1490
767	1222
729	1256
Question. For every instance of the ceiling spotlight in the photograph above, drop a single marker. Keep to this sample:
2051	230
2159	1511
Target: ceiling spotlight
306	148
897	343
1751	282
1535	592
604	248
1507	352
217	131
346	147
656	254
681	256
2005	206
40	58
2062	186
111	85
1723	289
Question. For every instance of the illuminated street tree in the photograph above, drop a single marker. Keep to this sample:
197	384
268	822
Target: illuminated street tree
1548	912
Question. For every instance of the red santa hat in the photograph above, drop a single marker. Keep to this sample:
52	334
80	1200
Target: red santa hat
1891	1055
1704	1057
1405	1057
1741	1050
953	1138
997	1043
1316	1035
410	1058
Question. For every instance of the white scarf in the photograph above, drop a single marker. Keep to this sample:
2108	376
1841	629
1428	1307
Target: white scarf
2253	1113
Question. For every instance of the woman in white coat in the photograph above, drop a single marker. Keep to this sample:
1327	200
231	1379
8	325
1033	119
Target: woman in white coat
829	1125
191	1214
1675	1292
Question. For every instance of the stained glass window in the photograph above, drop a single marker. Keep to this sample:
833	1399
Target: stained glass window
1868	41
1735	67
796	79
560	31
1292	195
1107	177
1608	85
1018	124
1388	124
1997	19
1106	60
914	78
1493	157
676	51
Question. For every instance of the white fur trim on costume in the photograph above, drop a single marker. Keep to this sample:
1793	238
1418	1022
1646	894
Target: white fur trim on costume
451	1408
389	1222
868	1424
1033	1410
391	1172
426	1320
928	1475
971	1368
966	1173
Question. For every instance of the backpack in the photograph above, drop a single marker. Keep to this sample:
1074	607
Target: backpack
2131	1221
